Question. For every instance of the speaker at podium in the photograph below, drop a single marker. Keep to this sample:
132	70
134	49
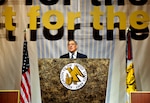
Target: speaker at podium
73	80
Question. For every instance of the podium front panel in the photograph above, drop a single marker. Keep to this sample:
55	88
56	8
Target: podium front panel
140	97
9	96
53	90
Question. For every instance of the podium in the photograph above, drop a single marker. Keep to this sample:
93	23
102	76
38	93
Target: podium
9	96
140	97
62	83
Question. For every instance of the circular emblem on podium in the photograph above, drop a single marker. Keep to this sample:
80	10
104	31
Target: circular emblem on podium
73	76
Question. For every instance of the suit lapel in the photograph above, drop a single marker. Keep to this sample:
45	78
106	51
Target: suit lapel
68	55
78	56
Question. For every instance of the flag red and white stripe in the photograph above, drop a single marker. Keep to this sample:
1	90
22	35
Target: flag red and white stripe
25	95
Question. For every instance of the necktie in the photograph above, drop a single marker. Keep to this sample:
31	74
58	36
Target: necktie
71	55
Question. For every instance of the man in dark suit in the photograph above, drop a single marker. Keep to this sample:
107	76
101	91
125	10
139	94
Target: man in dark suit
72	48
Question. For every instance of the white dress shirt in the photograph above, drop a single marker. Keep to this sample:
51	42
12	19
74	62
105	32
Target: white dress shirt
74	55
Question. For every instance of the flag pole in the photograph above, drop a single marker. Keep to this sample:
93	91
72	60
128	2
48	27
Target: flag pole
25	34
130	77
25	89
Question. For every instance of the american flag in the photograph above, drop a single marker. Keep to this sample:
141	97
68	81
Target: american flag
25	95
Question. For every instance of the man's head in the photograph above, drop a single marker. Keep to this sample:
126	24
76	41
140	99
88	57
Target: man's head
72	46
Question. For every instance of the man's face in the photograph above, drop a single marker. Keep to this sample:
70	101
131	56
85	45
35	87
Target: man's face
72	46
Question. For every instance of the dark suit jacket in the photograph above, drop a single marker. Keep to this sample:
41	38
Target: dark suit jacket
79	55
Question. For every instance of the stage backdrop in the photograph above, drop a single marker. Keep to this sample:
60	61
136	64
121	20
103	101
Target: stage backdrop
99	27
